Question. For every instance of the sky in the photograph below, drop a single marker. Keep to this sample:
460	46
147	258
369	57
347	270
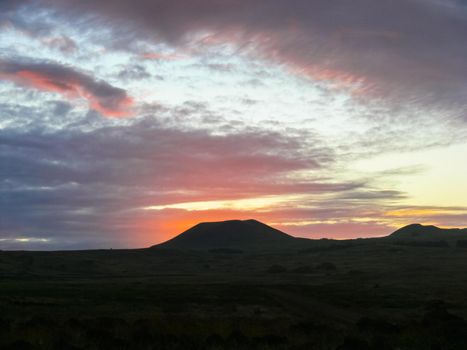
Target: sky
123	123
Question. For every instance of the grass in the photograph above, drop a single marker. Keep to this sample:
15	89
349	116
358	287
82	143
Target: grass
365	295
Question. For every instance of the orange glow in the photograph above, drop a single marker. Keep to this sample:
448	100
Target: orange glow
168	223
149	227
160	225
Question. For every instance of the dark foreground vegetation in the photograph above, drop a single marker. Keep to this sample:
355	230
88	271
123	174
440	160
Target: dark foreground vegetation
363	294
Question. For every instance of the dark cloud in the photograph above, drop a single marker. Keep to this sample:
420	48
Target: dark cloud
54	77
164	156
11	16
401	52
8	6
74	188
62	184
61	108
63	43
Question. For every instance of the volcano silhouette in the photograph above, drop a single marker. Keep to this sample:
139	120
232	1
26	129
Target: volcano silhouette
254	235
427	232
240	234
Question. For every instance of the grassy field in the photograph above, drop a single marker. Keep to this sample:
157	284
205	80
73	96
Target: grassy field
366	294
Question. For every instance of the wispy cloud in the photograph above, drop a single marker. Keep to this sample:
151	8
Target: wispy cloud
396	52
78	176
53	77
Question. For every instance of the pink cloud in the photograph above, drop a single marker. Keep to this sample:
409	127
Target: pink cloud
401	52
161	56
108	100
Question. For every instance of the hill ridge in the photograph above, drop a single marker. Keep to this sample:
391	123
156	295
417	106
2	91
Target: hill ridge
228	234
419	231
251	233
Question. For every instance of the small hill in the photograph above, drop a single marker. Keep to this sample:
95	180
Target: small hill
418	231
428	235
238	234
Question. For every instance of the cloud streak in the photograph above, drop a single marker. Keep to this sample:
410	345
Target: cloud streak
108	100
138	184
399	52
57	181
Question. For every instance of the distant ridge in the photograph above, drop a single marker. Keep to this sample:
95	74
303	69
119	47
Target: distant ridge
240	234
427	232
252	234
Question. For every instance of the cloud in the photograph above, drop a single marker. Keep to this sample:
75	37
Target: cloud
133	72
157	56
169	157
53	77
74	188
63	43
8	6
399	52
64	184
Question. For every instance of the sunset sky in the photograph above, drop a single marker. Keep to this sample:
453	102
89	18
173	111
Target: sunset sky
123	123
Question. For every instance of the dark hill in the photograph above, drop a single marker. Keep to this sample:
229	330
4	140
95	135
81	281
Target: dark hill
235	235
422	232
229	234
429	236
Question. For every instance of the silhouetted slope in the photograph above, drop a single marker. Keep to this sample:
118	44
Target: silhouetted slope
429	236
229	234
248	234
422	232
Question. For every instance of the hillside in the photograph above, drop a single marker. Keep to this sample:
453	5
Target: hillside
252	234
429	235
230	234
419	232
